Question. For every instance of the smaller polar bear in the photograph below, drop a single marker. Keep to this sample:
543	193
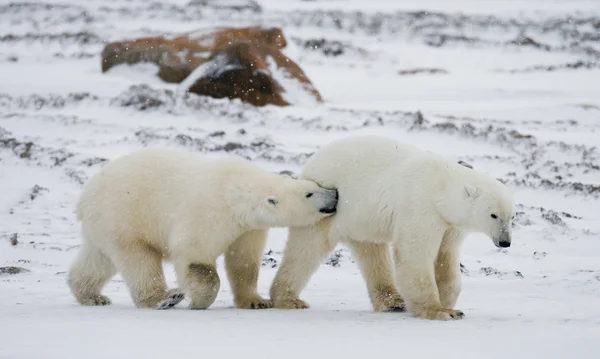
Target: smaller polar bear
157	204
420	202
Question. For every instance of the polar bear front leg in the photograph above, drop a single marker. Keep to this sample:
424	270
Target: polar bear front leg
375	264
415	256
447	268
242	263
305	250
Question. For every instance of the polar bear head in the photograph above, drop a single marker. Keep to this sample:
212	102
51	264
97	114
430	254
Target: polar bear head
481	204
286	202
492	211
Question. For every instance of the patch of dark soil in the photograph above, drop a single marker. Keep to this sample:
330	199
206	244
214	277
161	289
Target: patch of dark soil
37	102
12	270
217	134
74	55
143	97
32	152
21	149
235	5
527	41
332	48
334	259
577	65
489	271
573	187
422	71
77	176
229	147
269	260
82	38
37	191
92	161
439	40
552	217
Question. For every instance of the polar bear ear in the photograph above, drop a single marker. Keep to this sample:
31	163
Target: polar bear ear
271	200
471	190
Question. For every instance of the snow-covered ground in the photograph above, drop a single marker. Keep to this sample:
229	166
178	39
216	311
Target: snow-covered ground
520	99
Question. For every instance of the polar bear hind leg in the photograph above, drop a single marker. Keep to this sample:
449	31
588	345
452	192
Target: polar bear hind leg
141	268
243	260
88	274
376	266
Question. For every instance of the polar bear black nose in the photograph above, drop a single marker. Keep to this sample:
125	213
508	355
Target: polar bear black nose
504	244
328	201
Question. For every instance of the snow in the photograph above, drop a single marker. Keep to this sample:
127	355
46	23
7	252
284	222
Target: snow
538	298
294	91
213	68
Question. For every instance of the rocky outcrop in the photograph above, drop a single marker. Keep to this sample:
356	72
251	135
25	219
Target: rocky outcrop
245	63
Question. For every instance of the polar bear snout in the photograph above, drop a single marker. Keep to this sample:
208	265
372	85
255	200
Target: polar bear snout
326	200
503	241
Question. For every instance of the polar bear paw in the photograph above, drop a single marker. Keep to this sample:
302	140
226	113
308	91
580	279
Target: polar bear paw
442	314
290	303
97	300
389	302
172	300
451	314
254	302
396	308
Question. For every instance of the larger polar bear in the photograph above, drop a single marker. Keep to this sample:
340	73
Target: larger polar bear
157	204
420	202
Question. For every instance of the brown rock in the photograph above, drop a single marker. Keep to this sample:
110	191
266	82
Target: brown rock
230	62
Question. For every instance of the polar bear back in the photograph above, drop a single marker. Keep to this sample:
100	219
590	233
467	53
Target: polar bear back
147	191
378	180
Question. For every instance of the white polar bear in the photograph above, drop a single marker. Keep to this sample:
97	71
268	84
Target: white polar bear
157	204
420	202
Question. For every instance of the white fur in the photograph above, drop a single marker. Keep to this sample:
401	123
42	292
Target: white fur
157	204
420	202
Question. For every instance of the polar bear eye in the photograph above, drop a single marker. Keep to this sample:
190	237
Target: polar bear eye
272	201
494	216
308	195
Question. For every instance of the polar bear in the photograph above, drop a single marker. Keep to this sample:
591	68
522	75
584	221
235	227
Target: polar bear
157	204
422	203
